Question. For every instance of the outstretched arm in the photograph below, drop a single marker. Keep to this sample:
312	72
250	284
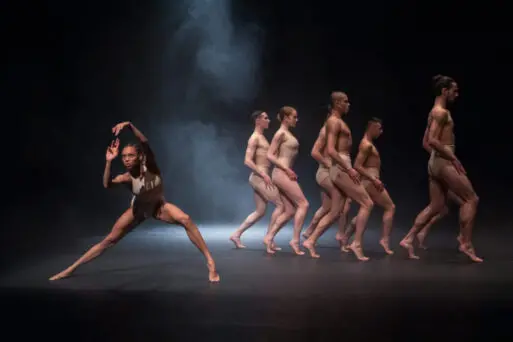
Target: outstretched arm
437	123
332	130
319	144
363	153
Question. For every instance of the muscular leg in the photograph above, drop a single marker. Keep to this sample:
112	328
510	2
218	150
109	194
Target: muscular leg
252	218
421	236
337	204
281	220
461	186
323	210
383	200
342	223
123	225
172	214
437	195
360	196
293	192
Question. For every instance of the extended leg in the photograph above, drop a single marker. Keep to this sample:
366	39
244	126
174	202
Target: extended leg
252	218
172	214
124	223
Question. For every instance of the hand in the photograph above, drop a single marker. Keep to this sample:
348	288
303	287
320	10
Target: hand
378	184
354	175
112	150
327	162
459	167
268	182
119	127
292	175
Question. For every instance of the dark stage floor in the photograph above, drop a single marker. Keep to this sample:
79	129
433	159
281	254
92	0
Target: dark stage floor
153	286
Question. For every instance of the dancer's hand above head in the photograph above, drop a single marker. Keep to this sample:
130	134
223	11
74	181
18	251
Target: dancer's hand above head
119	127
112	150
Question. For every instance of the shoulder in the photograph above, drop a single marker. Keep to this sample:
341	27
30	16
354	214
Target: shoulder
365	145
439	114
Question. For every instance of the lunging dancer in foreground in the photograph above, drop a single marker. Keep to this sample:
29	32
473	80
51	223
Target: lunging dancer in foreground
263	189
282	153
445	172
143	178
368	164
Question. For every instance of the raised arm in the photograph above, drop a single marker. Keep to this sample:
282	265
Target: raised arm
439	120
332	131
272	153
110	155
319	144
150	161
250	154
364	151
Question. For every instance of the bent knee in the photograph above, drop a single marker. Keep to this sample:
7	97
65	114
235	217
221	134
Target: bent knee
390	207
367	203
303	204
184	220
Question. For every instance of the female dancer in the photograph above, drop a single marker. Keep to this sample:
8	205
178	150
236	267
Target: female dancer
143	177
263	188
282	153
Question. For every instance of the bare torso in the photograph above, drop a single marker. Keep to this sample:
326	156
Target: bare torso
324	150
447	132
288	149
373	159
260	158
344	138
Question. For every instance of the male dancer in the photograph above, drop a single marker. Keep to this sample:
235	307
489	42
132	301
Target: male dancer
421	236
368	164
263	188
445	171
322	178
144	179
343	175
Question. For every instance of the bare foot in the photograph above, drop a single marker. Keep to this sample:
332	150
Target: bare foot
236	241
63	274
384	244
342	241
460	240
311	248
213	276
295	247
269	245
409	247
420	238
275	247
468	249
357	250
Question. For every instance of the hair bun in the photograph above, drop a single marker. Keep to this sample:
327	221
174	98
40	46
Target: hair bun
437	78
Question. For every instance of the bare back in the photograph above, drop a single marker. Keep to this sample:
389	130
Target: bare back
261	148
288	149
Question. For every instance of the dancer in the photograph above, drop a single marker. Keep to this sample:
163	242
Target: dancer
445	172
332	199
368	164
343	175
421	236
263	188
282	153
143	177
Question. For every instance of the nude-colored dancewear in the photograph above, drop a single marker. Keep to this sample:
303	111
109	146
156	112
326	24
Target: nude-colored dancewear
436	162
286	154
335	170
374	172
148	194
322	174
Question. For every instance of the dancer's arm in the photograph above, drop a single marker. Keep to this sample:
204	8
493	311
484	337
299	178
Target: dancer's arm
317	148
110	155
273	150
425	139
364	151
332	130
437	123
250	154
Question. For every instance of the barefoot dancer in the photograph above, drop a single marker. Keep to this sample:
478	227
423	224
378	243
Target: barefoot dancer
144	180
342	174
282	153
263	188
421	236
322	177
332	199
445	172
368	164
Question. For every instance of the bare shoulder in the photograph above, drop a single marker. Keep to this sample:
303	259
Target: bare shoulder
332	124
365	145
438	114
